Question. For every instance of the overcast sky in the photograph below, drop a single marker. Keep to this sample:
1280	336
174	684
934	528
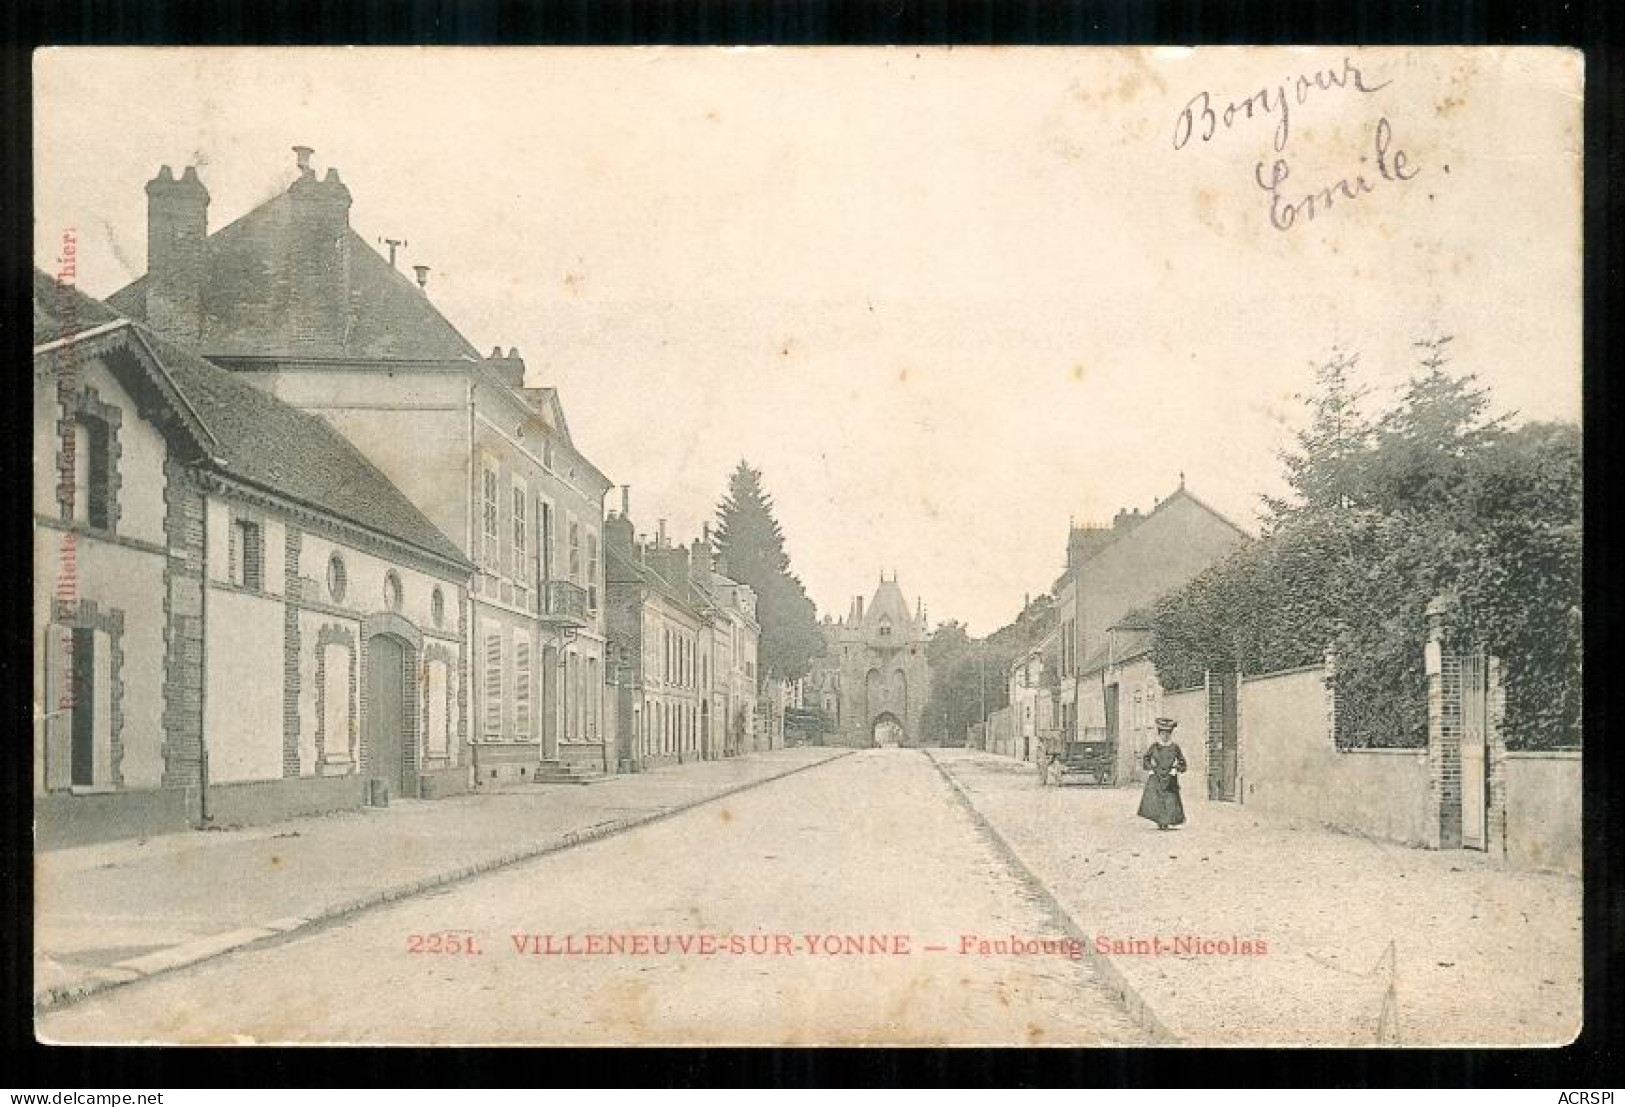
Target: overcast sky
944	300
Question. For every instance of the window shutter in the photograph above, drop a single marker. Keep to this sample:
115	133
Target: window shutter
493	685
521	686
253	557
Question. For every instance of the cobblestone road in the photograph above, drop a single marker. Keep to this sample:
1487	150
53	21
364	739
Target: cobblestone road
869	852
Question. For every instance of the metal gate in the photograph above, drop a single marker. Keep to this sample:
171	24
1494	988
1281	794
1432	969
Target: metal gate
1474	779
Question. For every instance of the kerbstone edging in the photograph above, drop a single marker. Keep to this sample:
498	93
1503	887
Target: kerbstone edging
1111	975
207	948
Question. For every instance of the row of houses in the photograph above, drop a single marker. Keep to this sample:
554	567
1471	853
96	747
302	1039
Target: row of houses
299	545
1090	677
1270	740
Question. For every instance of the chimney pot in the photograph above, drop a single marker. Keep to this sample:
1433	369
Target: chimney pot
496	352
626	501
423	278
302	154
513	352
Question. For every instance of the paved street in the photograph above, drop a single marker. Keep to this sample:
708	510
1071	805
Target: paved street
842	878
1479	955
97	914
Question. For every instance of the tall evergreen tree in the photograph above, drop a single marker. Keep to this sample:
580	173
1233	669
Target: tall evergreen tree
750	543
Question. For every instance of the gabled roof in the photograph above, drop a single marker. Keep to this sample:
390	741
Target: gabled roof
622	569
256	439
61	310
249	299
1087	543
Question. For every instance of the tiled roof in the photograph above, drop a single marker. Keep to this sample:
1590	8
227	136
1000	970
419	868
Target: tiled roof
264	442
61	310
249	299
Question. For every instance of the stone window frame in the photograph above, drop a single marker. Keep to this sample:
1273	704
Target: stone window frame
241	516
335	634
85	404
338	577
437	606
88	615
394	592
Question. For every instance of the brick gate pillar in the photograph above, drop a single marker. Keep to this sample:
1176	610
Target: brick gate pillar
1443	667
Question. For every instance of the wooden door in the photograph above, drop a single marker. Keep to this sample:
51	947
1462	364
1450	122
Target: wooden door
386	712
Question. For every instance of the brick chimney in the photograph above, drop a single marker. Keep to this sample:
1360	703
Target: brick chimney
704	558
618	532
510	367
177	224
319	260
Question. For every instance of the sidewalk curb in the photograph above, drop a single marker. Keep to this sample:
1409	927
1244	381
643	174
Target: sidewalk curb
1112	976
208	948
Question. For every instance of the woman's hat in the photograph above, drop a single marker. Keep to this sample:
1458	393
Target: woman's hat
1167	723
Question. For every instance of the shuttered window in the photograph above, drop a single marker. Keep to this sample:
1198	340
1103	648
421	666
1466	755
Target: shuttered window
521	534
493	685
521	685
493	537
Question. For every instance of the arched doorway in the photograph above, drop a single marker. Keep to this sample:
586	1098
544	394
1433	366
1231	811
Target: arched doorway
886	730
391	688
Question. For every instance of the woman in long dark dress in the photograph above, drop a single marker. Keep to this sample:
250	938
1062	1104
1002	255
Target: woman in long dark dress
1160	801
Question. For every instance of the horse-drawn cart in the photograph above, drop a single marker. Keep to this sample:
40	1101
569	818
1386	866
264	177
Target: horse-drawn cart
1065	761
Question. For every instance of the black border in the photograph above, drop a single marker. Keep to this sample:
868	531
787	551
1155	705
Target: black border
1592	1062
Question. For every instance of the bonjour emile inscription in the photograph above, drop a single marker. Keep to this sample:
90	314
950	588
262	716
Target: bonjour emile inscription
1204	119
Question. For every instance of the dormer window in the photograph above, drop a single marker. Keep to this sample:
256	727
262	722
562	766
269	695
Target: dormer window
885	628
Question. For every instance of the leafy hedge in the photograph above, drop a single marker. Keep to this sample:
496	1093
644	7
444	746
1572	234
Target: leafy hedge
1432	497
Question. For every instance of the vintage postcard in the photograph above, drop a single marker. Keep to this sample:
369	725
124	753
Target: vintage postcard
899	546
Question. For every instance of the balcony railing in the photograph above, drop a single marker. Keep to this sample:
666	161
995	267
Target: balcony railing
565	603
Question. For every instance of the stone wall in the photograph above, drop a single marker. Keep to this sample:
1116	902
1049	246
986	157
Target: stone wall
1543	811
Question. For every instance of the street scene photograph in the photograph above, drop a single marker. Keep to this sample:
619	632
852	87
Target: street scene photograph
1058	547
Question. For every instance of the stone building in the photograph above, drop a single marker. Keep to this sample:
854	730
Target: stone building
874	671
1119	696
1033	685
238	617
290	298
1112	571
685	638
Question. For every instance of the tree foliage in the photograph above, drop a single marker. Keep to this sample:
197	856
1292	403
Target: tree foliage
750	546
1433	496
970	674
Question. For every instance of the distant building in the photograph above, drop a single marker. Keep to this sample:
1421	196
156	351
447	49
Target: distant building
1034	681
687	637
239	617
874	671
291	298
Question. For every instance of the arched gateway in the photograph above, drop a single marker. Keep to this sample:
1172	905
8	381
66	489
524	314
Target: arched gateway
887	730
873	671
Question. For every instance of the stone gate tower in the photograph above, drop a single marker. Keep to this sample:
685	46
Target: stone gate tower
873	672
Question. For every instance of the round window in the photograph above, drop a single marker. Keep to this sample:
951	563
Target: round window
337	580
437	607
392	590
